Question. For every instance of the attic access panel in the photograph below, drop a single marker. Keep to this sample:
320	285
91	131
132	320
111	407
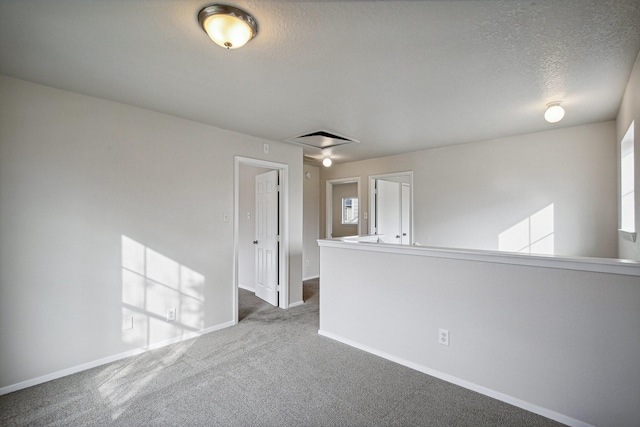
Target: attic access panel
322	139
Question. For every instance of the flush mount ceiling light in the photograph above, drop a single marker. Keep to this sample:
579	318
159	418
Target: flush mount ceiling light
327	162
228	26
554	112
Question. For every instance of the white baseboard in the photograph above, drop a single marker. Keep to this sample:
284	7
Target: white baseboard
247	288
296	304
317	276
103	361
462	383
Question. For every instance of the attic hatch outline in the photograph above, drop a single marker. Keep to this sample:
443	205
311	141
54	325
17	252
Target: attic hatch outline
322	139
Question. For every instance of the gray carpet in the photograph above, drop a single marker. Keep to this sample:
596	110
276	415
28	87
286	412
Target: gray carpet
272	369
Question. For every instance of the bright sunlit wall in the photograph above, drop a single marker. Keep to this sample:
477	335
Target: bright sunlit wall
627	182
532	235
151	285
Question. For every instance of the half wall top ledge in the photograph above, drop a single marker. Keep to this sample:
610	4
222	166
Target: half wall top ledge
596	265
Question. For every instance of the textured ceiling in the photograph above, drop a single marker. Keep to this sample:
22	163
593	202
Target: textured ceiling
398	76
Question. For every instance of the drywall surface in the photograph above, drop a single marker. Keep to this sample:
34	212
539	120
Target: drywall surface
562	343
466	196
339	192
630	113
109	212
311	233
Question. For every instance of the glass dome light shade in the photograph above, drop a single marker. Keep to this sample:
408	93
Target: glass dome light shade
227	26
554	113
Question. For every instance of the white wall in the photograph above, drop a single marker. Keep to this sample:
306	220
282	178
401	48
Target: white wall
311	252
108	211
630	111
466	195
559	342
247	226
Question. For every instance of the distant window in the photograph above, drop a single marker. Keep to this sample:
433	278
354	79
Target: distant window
349	210
627	188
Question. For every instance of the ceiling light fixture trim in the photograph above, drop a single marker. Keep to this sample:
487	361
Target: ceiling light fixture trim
228	26
327	162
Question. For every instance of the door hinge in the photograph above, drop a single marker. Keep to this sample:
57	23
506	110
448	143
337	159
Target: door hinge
277	238
278	188
277	288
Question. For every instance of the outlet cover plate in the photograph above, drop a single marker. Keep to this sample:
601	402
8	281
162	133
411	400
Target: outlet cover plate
127	323
443	336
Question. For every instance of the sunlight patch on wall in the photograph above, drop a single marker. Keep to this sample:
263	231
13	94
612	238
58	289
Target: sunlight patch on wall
532	235
627	182
153	284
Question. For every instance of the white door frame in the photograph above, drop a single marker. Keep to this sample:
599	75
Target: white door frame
329	203
283	262
372	199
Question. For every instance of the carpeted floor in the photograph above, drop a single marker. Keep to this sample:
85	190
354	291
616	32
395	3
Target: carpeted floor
272	369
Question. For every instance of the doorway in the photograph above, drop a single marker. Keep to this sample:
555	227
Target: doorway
341	213
246	171
391	207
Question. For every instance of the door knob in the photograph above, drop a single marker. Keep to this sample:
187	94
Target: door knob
255	242
397	236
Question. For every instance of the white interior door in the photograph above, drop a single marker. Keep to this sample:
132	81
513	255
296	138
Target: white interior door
266	240
388	211
406	214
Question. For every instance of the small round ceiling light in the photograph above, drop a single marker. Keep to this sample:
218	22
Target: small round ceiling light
554	112
327	162
227	26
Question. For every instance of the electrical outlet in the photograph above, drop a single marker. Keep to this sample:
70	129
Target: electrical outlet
443	336
306	263
249	215
127	323
265	148
225	216
365	215
171	315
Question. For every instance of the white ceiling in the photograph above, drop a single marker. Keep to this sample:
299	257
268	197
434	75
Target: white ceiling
398	76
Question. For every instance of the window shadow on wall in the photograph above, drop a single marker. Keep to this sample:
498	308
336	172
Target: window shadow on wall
532	235
152	285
